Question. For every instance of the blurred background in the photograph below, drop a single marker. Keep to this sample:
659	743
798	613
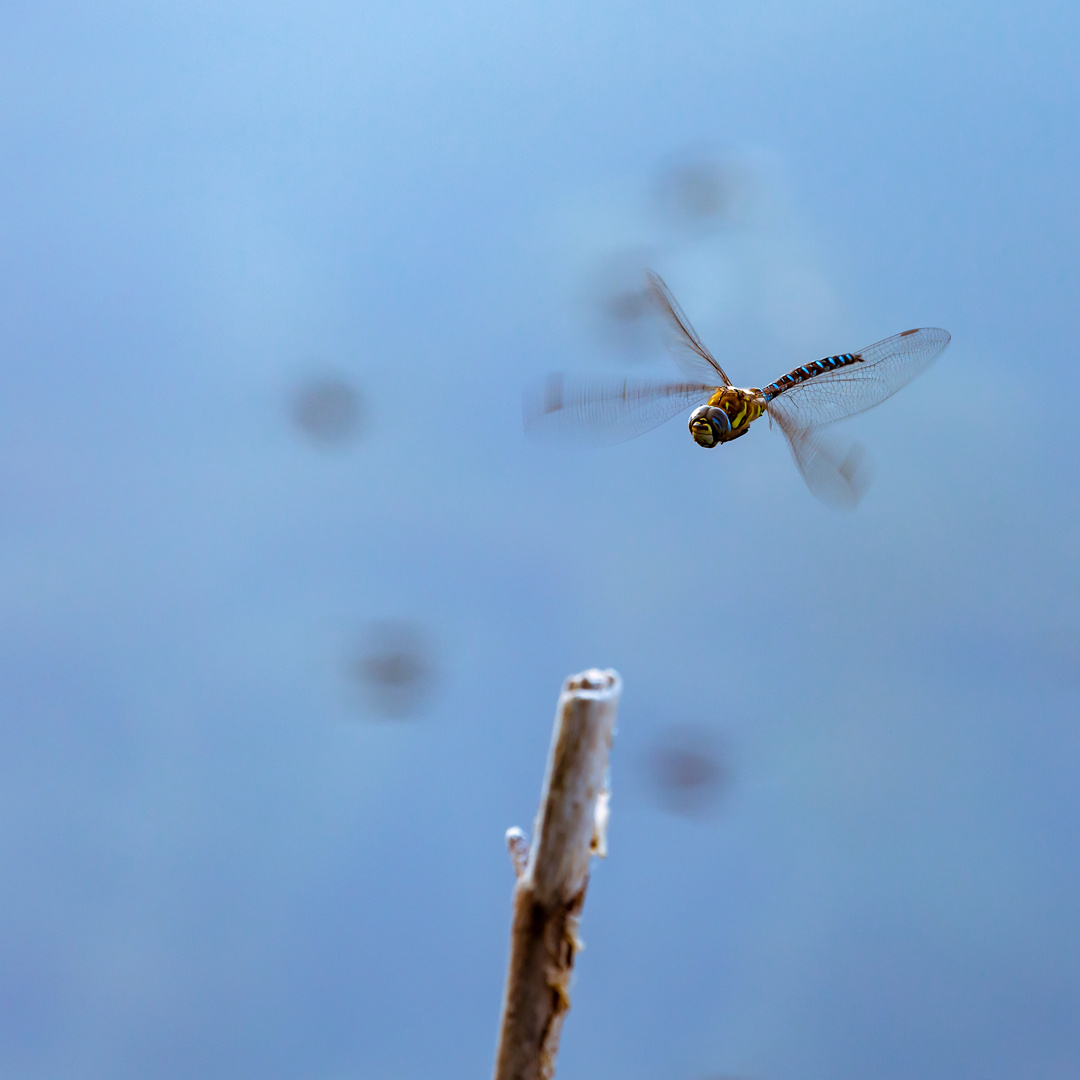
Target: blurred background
287	598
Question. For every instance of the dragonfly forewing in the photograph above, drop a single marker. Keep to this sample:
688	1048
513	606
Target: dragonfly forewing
686	347
604	411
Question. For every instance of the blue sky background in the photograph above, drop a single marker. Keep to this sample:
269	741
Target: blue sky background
215	859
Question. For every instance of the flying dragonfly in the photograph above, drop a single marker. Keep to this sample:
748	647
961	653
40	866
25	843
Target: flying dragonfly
801	403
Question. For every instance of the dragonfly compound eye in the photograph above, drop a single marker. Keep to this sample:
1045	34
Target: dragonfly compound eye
709	425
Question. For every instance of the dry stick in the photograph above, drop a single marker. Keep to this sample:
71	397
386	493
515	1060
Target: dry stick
553	875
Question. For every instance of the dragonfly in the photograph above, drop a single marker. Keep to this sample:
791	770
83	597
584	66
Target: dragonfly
801	404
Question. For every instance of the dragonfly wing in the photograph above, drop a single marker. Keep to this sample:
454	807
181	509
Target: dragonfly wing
688	349
604	411
837	475
883	369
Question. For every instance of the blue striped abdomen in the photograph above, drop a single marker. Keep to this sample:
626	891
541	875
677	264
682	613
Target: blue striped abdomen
801	374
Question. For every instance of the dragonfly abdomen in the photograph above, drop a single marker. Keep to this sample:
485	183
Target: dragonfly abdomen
801	374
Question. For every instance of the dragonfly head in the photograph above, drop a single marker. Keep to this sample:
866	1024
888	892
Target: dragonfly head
709	425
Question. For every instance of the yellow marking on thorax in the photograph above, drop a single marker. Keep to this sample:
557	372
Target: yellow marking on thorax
743	407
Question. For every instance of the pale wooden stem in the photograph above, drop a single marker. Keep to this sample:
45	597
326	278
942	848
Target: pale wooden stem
550	890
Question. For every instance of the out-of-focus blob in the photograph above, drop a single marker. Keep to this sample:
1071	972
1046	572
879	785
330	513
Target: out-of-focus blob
694	213
394	669
701	194
688	771
620	306
328	409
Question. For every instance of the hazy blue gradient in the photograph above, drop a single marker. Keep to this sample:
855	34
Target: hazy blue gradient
214	862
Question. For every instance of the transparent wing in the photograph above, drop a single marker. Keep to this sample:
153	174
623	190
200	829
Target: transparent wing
604	411
884	368
687	348
837	476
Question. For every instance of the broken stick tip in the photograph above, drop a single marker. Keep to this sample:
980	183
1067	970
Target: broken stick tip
594	683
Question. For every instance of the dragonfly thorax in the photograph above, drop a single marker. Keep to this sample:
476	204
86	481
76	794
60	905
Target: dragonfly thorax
727	415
